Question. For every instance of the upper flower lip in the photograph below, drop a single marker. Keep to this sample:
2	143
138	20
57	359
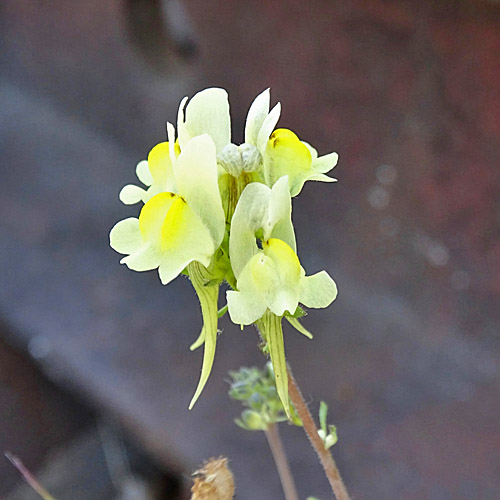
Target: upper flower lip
207	112
260	121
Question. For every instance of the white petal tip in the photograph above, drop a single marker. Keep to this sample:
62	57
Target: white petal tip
131	194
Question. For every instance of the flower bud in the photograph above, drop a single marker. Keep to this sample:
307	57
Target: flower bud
253	421
230	160
251	157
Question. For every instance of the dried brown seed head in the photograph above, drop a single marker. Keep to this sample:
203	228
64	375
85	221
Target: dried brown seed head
214	481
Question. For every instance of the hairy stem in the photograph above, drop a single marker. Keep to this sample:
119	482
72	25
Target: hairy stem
325	457
281	461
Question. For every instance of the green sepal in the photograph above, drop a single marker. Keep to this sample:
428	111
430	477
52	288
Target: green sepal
222	311
251	421
199	341
201	337
298	326
323	412
294	418
263	346
212	282
299	313
223	264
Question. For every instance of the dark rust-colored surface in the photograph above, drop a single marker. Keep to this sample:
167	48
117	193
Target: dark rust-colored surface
407	358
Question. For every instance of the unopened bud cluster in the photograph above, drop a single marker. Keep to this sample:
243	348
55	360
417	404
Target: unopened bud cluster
256	389
238	159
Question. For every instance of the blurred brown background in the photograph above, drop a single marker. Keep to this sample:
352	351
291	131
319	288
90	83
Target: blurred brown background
406	92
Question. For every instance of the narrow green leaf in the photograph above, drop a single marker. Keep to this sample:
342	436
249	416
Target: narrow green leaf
323	412
240	423
296	419
299	327
222	311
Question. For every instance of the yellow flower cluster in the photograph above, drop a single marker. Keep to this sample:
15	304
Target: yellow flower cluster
221	212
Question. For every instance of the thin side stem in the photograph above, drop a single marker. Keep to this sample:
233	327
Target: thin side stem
28	477
325	457
281	461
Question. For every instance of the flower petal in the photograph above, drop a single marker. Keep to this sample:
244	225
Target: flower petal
286	155
182	132
256	116
279	220
125	237
196	176
247	220
267	127
244	309
259	207
325	163
153	214
319	177
160	167
286	279
145	258
131	194
206	113
143	173
184	239
270	279
318	290
171	142
312	150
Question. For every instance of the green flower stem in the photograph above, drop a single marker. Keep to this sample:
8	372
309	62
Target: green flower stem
28	477
328	463
281	461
